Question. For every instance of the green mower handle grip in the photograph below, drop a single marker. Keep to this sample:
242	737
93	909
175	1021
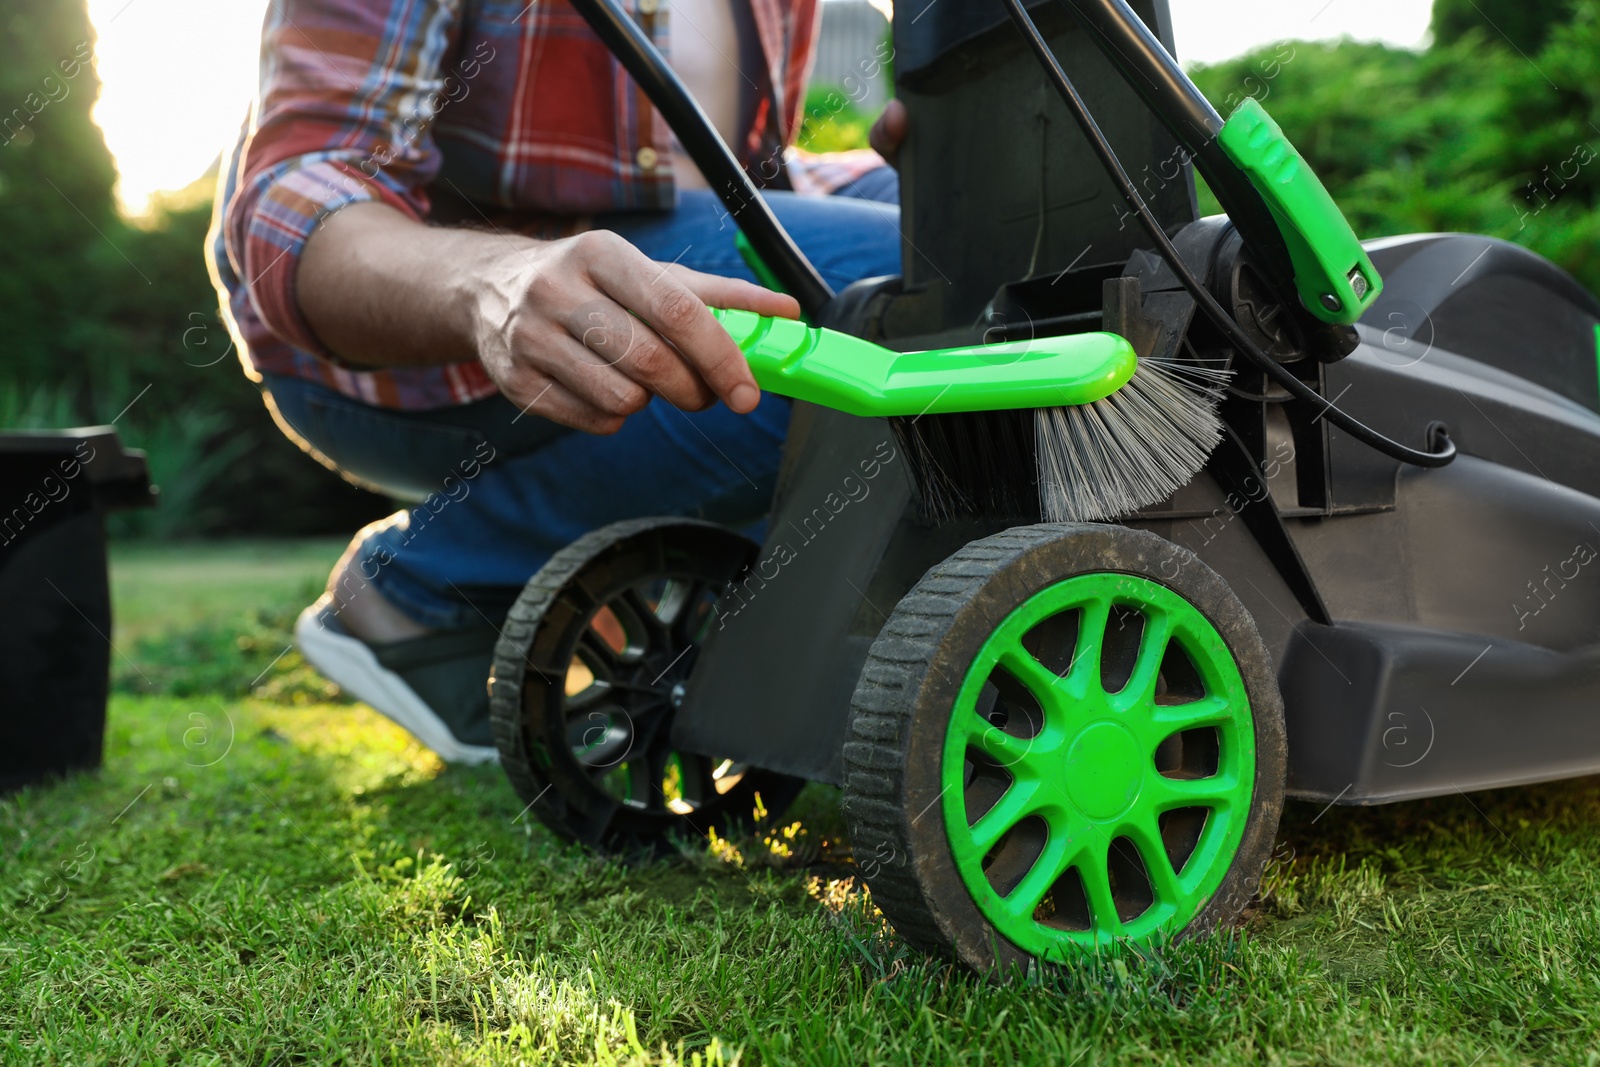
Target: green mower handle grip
1286	217
1332	272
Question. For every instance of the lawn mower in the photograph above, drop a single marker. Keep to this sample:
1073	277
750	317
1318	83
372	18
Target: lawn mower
1065	700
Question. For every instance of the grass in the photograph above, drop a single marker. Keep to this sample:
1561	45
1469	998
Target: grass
260	875
159	589
216	618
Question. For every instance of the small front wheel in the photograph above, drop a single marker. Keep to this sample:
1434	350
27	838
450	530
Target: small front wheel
1065	736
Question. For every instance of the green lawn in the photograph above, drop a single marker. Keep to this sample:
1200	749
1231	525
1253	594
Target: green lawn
162	589
264	875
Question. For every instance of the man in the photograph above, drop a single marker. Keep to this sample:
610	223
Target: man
469	266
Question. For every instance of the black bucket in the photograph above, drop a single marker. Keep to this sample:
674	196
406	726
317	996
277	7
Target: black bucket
55	600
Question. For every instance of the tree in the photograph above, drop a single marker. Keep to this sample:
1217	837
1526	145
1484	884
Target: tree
96	313
1524	24
55	186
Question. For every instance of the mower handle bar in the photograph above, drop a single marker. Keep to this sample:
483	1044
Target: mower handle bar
772	243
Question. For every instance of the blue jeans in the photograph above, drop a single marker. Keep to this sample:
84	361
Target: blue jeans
501	491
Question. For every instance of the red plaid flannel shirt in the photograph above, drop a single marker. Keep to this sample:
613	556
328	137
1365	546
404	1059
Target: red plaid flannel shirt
505	103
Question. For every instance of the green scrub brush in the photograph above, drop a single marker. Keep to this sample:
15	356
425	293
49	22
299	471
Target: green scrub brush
1073	428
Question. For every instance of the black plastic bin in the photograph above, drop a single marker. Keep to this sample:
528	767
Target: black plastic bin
55	600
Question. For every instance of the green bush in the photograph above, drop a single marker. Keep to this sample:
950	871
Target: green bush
1468	136
1524	24
100	314
832	122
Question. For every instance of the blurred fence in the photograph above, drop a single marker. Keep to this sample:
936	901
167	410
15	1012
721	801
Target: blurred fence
851	51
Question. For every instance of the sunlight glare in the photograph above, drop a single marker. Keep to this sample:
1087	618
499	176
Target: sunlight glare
1209	31
176	79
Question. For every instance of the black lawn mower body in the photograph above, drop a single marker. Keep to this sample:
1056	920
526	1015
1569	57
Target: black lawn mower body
1434	631
1056	737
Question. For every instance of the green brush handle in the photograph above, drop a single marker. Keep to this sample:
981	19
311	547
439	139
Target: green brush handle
1335	279
858	377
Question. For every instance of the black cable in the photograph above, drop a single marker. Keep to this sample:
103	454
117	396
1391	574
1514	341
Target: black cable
623	37
1214	311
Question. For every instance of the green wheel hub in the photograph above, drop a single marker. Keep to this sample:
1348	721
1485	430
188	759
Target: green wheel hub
1099	766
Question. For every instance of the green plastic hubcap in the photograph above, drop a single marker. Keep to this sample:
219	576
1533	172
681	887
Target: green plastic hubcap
1102	776
1099	766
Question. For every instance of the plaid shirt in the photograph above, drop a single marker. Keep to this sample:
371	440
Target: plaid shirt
502	104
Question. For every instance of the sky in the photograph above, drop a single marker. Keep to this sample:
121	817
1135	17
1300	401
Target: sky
178	75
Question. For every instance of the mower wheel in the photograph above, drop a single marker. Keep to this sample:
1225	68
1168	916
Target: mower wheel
589	672
1064	738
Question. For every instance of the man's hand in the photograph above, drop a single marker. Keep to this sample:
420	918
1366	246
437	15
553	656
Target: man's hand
582	331
889	132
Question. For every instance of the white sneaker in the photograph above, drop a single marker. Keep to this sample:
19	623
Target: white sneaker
436	686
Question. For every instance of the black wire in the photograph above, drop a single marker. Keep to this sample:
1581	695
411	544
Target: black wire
1214	311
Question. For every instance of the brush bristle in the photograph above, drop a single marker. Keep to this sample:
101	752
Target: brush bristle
1097	461
973	463
1134	448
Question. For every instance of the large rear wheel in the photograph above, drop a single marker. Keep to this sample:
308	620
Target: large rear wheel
1066	736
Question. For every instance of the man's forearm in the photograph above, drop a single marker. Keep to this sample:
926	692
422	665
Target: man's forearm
381	289
583	330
